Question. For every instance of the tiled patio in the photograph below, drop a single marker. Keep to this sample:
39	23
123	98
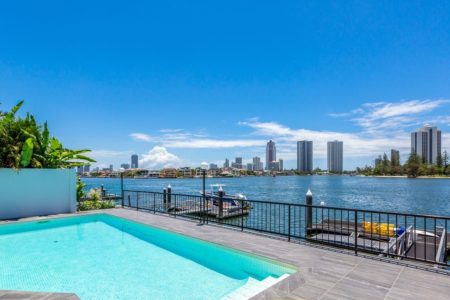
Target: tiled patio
323	273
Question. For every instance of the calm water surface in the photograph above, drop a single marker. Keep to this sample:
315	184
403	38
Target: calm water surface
420	196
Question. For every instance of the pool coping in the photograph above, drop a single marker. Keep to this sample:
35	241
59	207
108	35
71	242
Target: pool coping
323	272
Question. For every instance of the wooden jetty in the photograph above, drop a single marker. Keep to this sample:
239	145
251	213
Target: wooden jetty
412	243
195	208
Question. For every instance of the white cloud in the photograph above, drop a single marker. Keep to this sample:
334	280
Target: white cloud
159	157
204	143
168	130
177	138
446	142
103	154
439	120
141	137
355	144
387	110
376	117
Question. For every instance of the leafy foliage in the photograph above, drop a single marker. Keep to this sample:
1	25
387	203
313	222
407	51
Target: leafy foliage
80	189
413	167
91	205
95	201
27	144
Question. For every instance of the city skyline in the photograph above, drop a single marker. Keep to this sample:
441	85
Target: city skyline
428	137
367	74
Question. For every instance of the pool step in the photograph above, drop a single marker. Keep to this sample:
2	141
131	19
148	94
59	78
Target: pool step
253	287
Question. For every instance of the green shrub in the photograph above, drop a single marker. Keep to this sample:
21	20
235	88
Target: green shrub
94	204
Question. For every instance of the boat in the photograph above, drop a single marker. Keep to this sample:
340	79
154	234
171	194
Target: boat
238	200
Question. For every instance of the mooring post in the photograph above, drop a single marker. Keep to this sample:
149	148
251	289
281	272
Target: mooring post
169	195
309	202
221	193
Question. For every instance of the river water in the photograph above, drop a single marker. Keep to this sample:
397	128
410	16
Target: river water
416	196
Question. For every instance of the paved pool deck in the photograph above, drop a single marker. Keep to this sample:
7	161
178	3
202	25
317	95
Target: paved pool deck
323	273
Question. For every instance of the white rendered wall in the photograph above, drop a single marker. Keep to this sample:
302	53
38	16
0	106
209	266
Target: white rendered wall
36	192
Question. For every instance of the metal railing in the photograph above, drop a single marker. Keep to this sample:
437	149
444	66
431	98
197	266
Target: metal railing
403	236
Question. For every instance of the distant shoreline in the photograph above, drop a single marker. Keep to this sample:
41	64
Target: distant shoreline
344	175
404	176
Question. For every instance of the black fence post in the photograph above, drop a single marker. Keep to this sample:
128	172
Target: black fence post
204	196
309	219
121	188
220	215
356	233
289	222
137	201
129	201
242	215
165	199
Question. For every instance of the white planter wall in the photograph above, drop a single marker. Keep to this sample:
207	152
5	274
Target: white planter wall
36	192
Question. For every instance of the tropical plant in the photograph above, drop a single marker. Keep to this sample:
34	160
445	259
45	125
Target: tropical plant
80	189
95	201
26	144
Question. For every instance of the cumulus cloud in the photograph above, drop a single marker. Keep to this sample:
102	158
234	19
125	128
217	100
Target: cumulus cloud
159	157
355	144
141	137
376	117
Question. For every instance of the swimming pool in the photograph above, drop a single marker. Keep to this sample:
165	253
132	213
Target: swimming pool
101	256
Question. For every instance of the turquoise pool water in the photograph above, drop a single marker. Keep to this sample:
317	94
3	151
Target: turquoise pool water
106	257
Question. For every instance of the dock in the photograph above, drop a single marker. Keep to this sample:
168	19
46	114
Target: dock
413	243
194	208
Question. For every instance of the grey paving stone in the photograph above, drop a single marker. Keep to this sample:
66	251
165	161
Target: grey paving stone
351	289
309	291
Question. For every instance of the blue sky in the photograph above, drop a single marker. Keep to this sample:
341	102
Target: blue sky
184	82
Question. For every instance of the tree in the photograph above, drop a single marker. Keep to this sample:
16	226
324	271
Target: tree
447	170
439	161
26	144
439	164
413	165
445	159
385	164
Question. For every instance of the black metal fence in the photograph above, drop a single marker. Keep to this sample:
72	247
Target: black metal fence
404	236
